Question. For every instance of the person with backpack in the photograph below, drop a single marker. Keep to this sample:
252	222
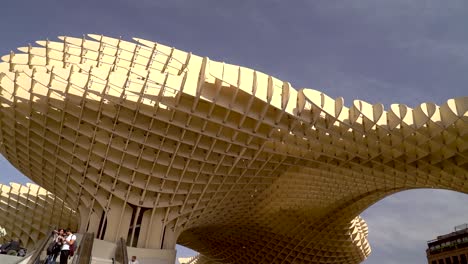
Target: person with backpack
12	247
55	246
68	245
4	247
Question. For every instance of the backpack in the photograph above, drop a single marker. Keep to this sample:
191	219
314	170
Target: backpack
51	248
73	247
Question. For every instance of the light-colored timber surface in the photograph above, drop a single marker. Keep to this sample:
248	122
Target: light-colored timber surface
160	146
28	211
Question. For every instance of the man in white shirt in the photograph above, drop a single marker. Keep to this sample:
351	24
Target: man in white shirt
134	260
69	241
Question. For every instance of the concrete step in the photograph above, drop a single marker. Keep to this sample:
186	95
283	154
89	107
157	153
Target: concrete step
7	259
96	260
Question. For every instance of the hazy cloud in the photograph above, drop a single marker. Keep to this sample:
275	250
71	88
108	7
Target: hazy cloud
400	225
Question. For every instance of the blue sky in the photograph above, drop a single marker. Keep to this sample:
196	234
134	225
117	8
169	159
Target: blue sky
384	51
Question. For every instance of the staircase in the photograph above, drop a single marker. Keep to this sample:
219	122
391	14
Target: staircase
96	260
96	251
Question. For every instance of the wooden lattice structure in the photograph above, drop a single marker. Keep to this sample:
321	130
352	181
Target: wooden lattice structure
160	146
28	211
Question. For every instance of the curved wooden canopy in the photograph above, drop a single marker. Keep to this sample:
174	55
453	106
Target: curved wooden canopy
160	146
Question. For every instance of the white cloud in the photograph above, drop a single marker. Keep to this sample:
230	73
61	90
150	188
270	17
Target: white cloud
401	225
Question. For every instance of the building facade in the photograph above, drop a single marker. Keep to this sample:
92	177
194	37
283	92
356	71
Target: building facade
160	146
450	248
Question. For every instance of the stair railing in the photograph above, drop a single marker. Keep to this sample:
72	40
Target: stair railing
121	255
84	250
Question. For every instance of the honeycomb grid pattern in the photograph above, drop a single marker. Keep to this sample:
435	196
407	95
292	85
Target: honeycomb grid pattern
161	146
29	211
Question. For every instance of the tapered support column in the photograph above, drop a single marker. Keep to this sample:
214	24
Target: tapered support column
151	232
90	220
118	220
170	238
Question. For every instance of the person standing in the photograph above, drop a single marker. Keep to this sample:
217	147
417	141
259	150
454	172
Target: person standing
67	243
134	260
56	246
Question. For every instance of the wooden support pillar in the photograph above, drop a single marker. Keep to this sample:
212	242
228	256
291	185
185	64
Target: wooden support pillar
94	219
170	238
152	229
119	217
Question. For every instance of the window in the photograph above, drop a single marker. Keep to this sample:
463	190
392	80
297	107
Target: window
455	260
448	260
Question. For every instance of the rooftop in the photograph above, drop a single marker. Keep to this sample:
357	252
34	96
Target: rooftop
454	240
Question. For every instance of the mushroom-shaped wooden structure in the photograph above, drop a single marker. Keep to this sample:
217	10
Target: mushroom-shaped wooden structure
160	146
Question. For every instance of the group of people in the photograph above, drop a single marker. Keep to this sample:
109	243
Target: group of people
63	244
13	247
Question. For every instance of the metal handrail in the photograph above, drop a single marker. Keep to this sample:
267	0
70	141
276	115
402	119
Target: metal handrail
121	255
37	253
85	249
